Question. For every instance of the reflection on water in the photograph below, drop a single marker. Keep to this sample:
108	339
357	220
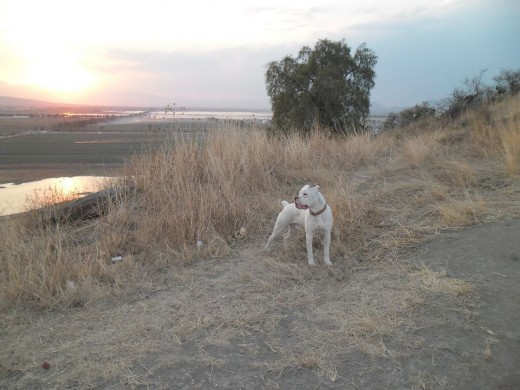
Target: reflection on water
17	198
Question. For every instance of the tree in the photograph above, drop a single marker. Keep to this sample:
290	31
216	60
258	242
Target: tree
326	85
408	115
508	81
462	99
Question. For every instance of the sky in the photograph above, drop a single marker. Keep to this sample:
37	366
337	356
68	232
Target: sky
202	53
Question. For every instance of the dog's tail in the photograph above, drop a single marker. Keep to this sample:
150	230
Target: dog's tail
284	203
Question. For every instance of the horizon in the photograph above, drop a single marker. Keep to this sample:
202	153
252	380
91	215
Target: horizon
202	54
11	103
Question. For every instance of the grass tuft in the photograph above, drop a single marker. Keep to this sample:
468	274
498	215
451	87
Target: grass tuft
440	282
461	212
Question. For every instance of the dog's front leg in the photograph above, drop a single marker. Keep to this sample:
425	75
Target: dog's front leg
326	248
308	237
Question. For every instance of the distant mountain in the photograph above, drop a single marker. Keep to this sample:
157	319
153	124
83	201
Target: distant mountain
14	102
9	102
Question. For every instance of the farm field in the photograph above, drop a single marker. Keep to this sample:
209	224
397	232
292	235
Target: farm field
37	156
31	148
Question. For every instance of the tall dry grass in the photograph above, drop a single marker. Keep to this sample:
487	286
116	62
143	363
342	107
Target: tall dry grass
219	187
420	148
196	189
46	267
510	149
495	132
193	189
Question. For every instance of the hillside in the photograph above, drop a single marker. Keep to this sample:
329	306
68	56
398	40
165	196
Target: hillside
423	291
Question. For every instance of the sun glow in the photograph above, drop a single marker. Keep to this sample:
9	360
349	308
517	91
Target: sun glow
59	75
69	186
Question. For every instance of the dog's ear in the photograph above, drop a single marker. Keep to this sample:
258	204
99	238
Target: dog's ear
317	186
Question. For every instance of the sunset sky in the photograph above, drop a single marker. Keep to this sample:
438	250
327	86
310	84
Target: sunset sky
207	53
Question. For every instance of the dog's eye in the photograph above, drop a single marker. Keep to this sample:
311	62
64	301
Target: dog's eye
305	194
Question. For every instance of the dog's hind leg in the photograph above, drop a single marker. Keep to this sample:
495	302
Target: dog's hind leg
278	229
287	236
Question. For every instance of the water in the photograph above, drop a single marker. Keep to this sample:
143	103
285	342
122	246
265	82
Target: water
177	113
189	114
17	198
101	114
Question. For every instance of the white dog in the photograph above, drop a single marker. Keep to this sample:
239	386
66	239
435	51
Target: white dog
311	211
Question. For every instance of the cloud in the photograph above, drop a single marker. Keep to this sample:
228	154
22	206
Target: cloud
217	51
218	77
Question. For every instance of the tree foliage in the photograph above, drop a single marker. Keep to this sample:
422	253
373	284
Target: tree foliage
408	115
327	85
476	92
471	95
508	81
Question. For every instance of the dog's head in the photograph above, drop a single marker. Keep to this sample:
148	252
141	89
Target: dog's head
308	195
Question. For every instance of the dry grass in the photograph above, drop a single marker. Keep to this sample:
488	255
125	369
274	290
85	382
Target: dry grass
387	192
511	150
495	132
207	186
461	212
418	149
439	282
47	267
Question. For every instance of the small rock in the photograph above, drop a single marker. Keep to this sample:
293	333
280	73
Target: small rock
241	233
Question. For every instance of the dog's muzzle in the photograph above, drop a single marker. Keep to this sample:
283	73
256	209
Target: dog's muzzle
298	205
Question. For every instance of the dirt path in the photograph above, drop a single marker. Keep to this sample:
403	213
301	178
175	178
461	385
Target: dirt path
488	256
254	321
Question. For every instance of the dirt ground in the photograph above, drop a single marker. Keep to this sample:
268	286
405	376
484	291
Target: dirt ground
487	256
442	316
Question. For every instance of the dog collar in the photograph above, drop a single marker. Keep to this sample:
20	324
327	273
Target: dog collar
318	212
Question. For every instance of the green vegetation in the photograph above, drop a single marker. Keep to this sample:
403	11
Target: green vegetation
409	115
72	148
474	94
327	87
